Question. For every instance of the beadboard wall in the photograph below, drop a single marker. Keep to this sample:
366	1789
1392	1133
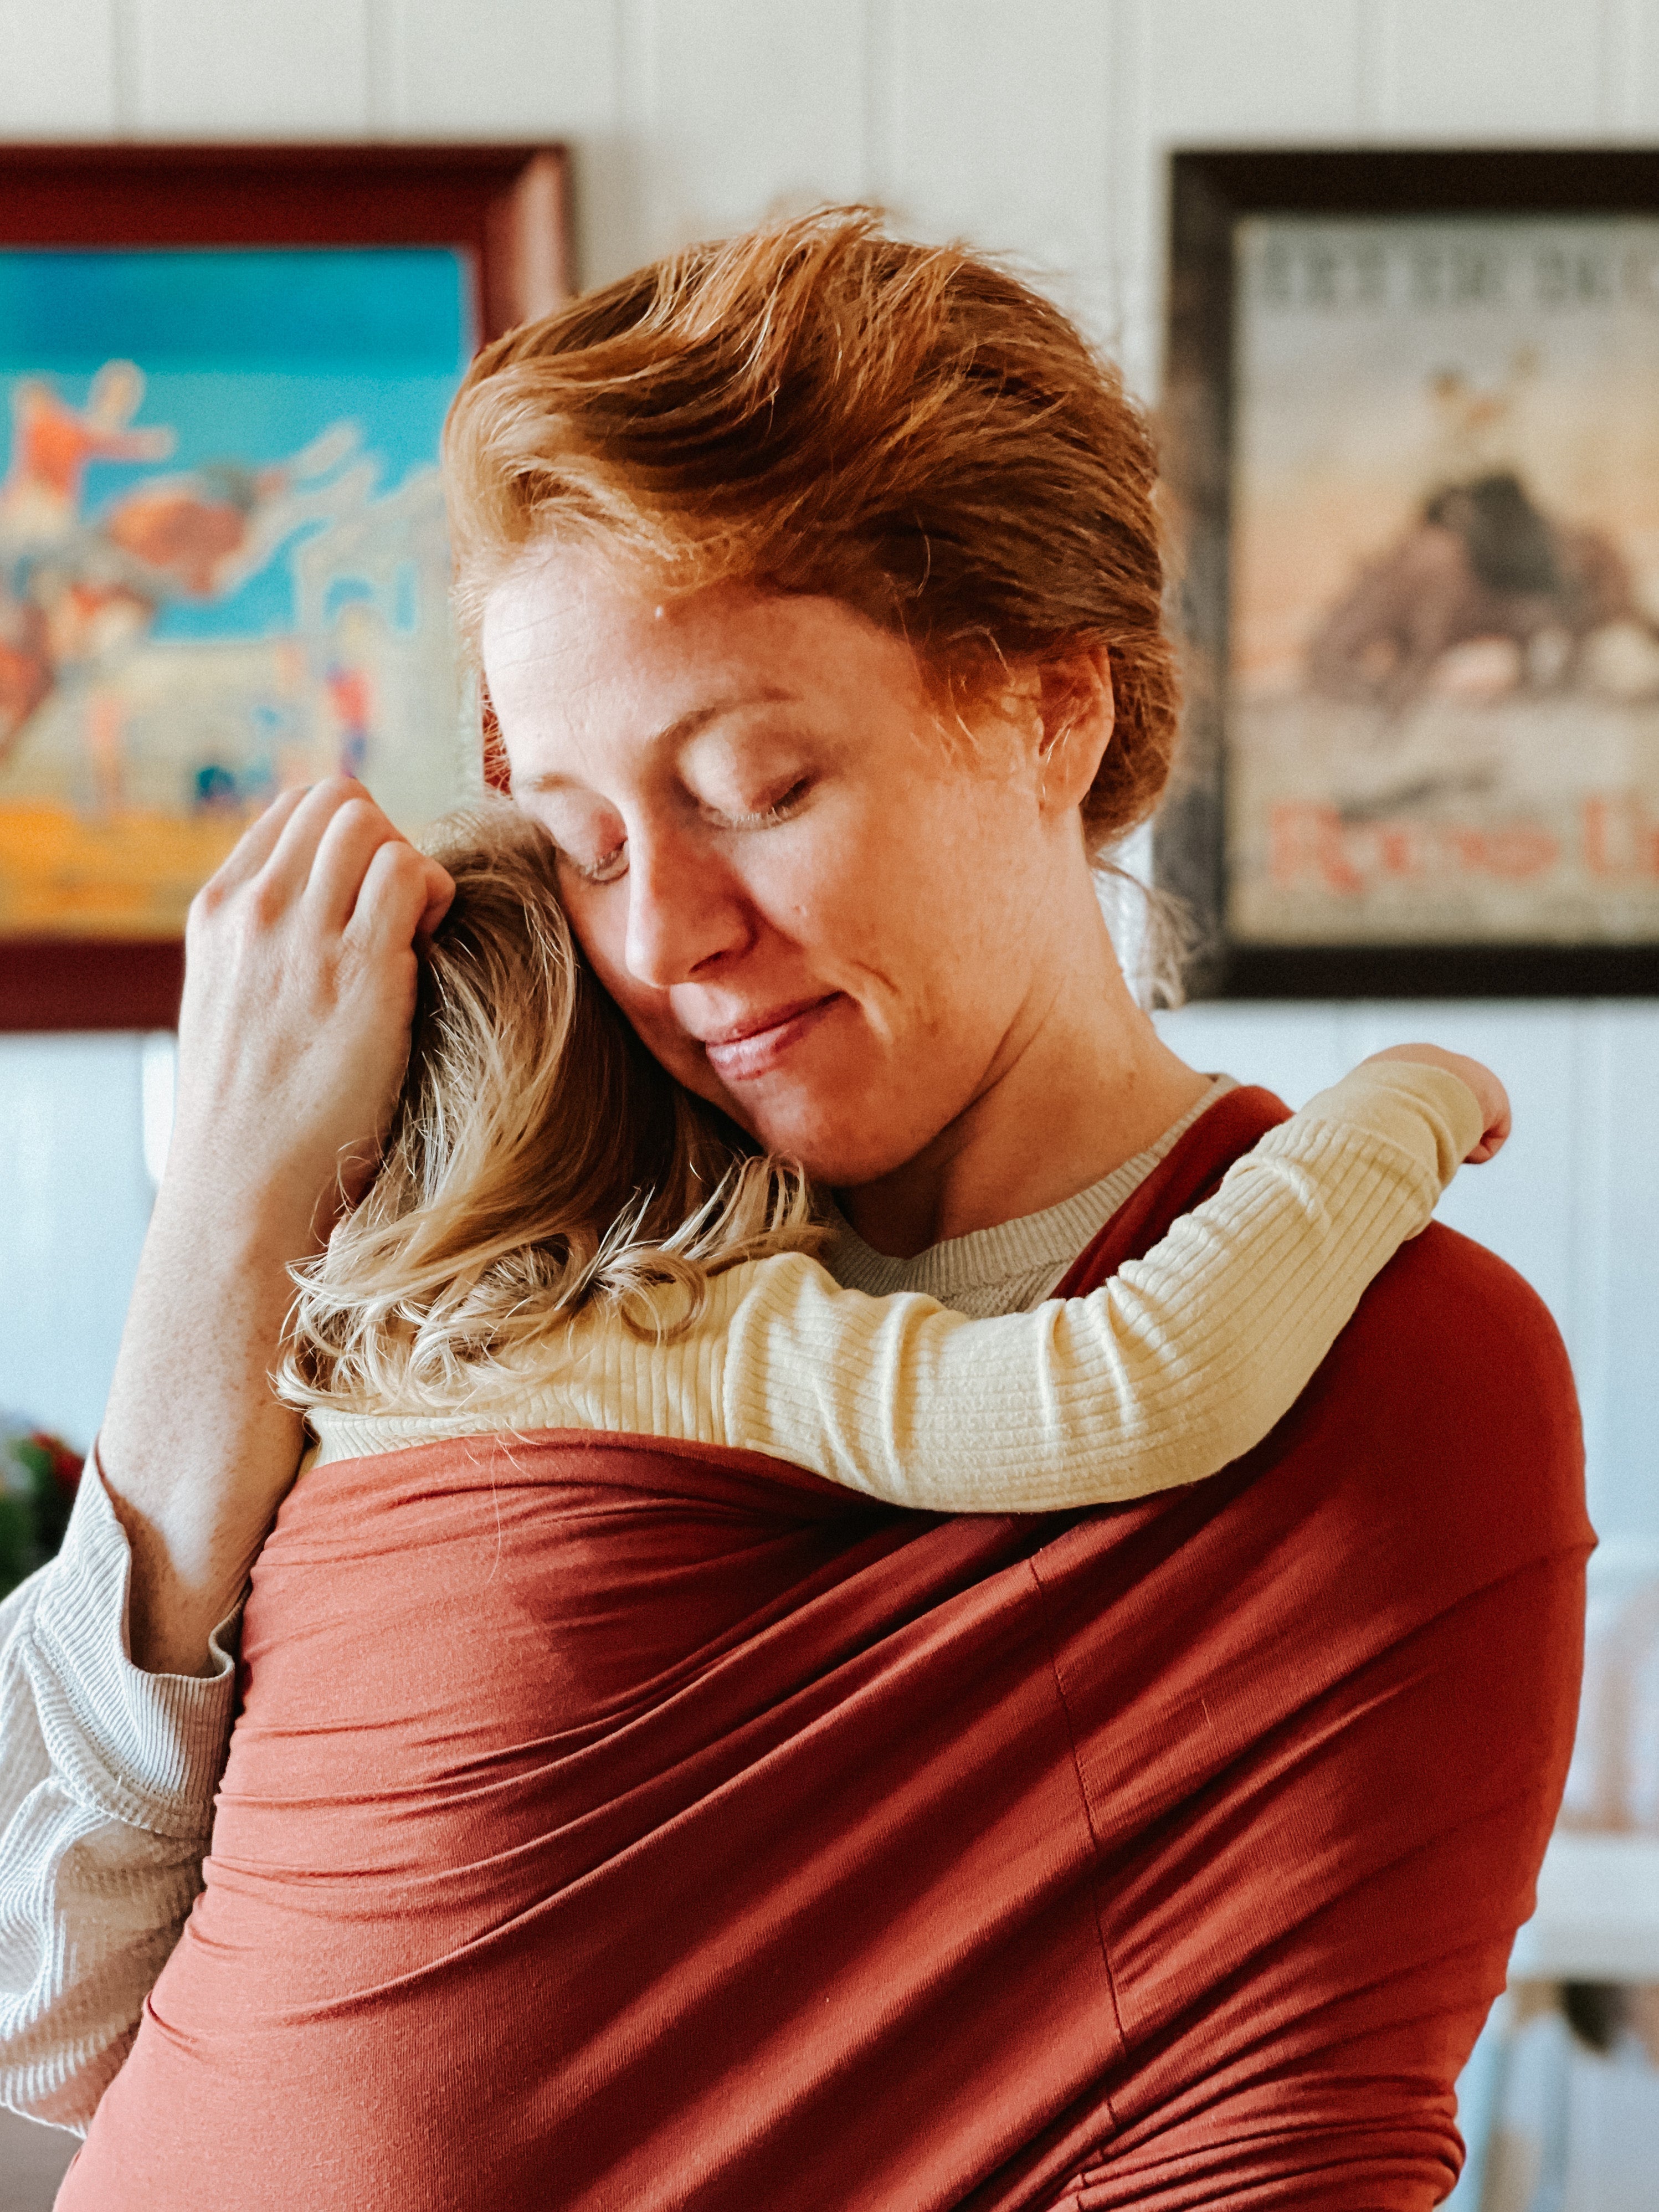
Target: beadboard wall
1039	126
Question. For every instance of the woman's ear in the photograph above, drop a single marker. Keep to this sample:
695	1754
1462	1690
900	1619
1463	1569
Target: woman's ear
1079	715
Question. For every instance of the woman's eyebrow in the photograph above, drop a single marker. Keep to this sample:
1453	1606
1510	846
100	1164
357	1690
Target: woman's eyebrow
673	734
689	725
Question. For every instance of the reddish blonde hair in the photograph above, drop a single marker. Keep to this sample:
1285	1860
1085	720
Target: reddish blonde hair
815	406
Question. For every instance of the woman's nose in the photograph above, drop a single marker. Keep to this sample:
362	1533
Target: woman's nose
685	911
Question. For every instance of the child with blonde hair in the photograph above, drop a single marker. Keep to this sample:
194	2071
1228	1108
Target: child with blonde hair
560	1236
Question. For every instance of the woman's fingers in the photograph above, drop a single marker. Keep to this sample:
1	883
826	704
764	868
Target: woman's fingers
256	844
287	874
299	986
314	856
439	897
351	839
399	887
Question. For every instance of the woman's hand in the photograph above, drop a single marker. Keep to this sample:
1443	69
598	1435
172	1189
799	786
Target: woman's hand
1490	1094
300	985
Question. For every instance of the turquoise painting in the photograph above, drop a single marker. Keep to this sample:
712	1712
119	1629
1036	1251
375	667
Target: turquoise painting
223	568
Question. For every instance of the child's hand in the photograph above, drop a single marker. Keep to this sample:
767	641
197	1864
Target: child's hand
1494	1099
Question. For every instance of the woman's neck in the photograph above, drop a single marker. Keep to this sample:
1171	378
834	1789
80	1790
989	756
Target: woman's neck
1083	1085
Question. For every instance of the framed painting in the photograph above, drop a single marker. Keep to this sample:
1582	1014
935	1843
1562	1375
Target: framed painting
1412	434
224	566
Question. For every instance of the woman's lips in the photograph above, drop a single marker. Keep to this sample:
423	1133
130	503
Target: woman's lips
740	1055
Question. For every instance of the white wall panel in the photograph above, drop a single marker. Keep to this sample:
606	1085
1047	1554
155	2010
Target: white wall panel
525	68
1274	69
1629	70
235	69
745	109
74	1207
1042	128
1212	73
999	115
1622	1224
1523	1204
1291	1050
1492	69
57	72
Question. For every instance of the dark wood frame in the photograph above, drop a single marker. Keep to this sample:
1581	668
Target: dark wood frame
1210	192
506	207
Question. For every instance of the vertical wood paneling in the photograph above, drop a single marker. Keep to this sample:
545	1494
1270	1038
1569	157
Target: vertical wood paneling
1212	73
1291	1050
523	69
526	68
1043	129
1523	1204
247	68
58	69
74	1207
751	109
1491	70
1622	44
1001	135
1622	1212
1630	72
1375	83
1278	70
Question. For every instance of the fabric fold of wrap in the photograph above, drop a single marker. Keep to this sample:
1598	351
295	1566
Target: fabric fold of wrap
692	1833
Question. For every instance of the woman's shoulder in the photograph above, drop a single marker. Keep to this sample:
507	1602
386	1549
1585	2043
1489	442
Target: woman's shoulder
1456	1328
1449	1403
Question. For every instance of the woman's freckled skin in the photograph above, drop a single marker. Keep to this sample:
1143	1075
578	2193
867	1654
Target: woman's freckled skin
868	939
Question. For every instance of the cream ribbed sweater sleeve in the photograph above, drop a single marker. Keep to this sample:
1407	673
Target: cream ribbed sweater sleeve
1184	1360
1181	1362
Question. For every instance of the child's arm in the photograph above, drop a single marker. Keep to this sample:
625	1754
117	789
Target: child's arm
1183	1361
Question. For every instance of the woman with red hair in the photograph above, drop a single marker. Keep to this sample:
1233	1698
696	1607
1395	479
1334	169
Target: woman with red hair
1162	1854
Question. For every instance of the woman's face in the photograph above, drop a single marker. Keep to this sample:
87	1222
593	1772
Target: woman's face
819	909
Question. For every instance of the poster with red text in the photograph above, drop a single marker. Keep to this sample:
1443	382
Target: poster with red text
1443	635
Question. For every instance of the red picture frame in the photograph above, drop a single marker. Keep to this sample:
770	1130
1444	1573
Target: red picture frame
504	208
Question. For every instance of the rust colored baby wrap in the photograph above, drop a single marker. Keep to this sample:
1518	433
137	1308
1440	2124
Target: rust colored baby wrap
613	1824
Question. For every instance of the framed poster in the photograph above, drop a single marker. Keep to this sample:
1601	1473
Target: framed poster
1413	431
223	565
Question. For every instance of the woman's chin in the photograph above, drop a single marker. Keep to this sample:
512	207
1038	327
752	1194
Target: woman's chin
829	1099
857	1135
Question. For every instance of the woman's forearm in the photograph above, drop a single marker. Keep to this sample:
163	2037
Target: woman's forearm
196	1450
298	990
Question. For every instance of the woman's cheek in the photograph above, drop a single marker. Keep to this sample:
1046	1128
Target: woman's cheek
819	887
651	1017
600	923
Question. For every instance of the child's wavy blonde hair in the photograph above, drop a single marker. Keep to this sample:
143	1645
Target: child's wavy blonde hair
539	1162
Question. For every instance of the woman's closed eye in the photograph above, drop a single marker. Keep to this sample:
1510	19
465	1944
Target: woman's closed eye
761	817
606	869
594	859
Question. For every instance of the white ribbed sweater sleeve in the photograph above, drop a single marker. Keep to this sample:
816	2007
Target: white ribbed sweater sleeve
1180	1364
106	1792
